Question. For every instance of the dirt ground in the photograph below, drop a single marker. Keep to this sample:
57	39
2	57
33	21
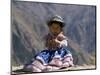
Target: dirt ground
74	68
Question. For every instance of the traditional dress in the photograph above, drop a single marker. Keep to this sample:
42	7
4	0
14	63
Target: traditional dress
57	51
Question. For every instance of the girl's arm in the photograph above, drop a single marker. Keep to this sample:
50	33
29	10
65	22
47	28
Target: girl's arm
62	43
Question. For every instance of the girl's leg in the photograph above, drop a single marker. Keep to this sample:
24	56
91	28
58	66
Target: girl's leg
56	62
42	59
57	58
39	65
68	61
36	66
51	68
67	57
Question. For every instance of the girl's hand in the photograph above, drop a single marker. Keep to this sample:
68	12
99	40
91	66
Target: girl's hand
53	43
57	41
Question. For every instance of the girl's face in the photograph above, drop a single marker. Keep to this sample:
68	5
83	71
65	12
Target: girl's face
55	28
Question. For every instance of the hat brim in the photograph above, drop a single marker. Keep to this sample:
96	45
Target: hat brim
62	24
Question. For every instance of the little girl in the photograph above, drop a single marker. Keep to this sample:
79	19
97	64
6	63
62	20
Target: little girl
56	52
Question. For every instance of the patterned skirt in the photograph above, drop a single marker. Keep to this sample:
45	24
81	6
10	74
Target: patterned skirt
46	56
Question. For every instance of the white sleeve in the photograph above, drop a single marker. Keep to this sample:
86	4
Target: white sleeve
64	43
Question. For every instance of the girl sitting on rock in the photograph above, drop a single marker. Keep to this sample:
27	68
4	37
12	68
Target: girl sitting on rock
56	55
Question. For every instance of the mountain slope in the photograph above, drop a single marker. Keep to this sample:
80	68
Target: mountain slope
29	26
